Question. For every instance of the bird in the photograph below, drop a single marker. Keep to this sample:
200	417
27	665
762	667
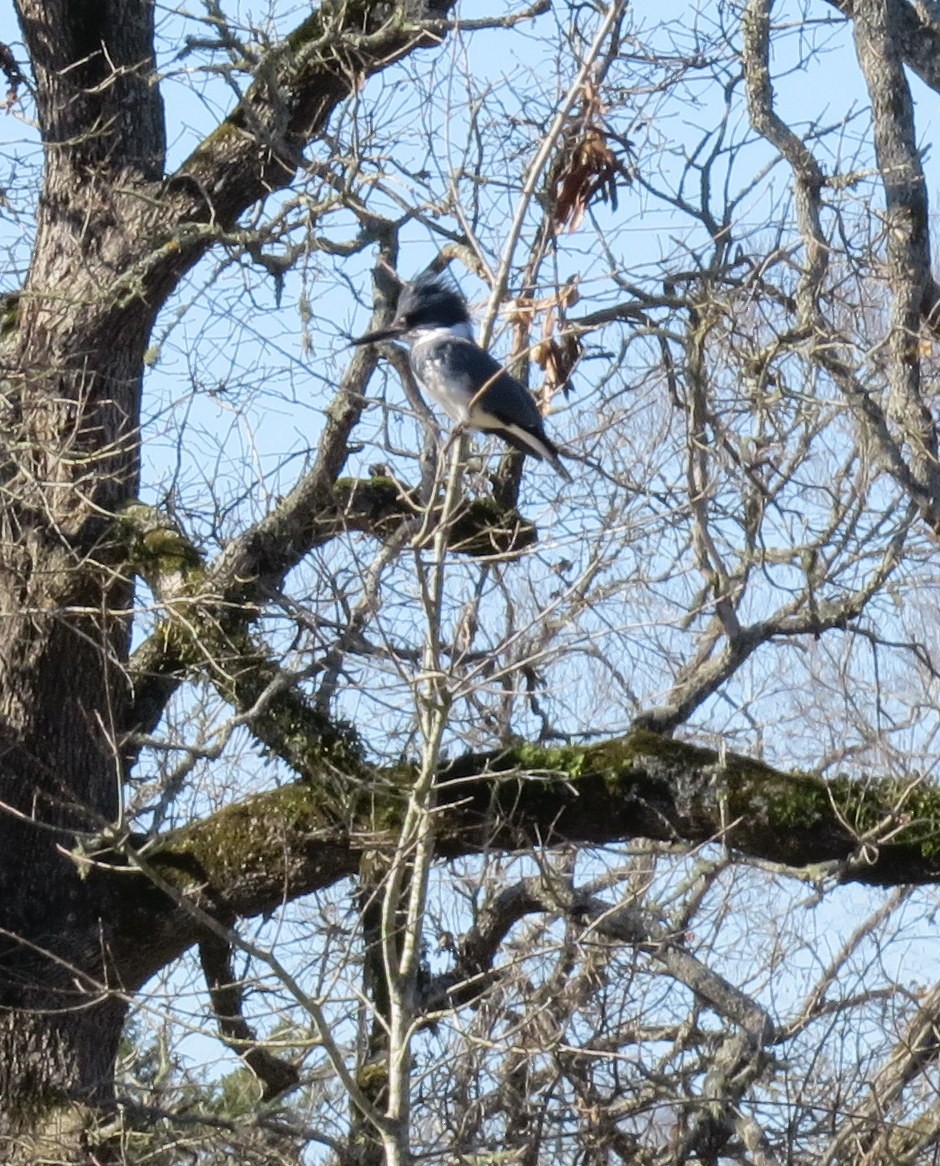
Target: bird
469	384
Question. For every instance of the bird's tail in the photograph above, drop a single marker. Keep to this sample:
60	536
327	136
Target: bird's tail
555	462
536	444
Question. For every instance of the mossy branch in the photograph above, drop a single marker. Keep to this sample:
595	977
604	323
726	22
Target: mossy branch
257	148
210	609
313	514
250	857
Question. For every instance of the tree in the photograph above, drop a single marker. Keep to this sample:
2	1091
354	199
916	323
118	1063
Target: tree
468	793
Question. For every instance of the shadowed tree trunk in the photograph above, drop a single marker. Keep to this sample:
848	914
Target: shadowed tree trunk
73	368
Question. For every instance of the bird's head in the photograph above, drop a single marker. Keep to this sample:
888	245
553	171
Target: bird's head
429	301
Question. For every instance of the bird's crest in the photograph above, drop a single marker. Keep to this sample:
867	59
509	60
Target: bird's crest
432	297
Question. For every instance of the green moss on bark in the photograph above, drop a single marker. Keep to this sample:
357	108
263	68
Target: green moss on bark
647	785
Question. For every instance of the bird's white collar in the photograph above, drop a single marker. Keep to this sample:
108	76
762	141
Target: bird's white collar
436	332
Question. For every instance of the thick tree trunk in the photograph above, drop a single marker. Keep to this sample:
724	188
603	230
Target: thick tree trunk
63	691
72	374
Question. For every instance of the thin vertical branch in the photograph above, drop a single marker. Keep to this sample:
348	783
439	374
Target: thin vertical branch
614	14
406	885
808	176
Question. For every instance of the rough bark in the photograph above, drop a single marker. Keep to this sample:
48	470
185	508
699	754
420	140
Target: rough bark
880	47
917	33
70	404
914	38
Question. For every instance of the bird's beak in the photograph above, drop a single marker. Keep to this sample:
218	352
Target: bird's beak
390	333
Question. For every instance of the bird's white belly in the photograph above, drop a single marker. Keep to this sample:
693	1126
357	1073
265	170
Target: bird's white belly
453	403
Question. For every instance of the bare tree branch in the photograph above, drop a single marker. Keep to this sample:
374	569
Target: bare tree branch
275	1074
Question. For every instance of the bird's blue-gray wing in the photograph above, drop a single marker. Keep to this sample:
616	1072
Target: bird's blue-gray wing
503	397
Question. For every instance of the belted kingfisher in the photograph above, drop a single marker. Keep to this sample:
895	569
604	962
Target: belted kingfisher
463	378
